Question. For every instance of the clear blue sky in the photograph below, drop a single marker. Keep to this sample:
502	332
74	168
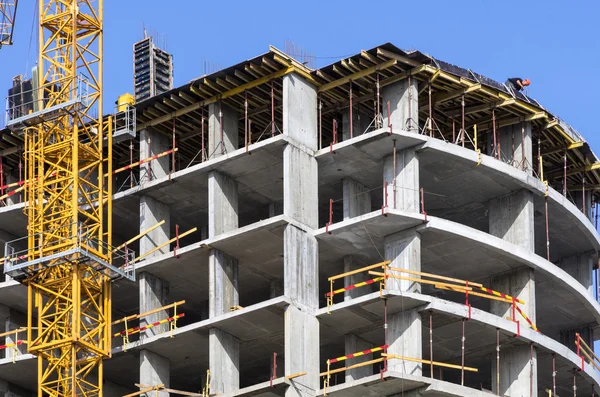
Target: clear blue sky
554	43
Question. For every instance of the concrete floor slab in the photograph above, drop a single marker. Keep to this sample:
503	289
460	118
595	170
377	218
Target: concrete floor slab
259	328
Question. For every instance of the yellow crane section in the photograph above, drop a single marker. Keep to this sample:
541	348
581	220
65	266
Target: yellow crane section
8	13
69	261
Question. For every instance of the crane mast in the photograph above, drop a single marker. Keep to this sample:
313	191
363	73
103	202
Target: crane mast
69	261
8	13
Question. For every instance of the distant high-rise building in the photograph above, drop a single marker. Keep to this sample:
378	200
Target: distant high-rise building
153	69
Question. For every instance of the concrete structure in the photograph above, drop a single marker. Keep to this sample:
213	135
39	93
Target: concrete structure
279	210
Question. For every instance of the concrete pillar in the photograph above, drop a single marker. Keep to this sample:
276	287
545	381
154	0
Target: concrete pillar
224	361
13	320
581	268
360	123
12	176
405	196
301	266
511	218
516	146
300	110
8	389
223	283
222	204
519	283
224	349
151	212
349	265
354	344
515	372
403	249
152	143
154	370
276	288
219	113
357	198
154	293
404	105
275	208
405	339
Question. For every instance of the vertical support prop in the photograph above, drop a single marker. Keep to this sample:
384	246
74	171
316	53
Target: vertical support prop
389	117
172	151
554	374
462	129
274	374
462	354
272	109
394	181
351	116
431	344
246	120
497	361
565	174
494	132
202	138
320	123
330	217
547	229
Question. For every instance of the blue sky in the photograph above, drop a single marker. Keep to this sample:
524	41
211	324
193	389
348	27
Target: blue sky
554	43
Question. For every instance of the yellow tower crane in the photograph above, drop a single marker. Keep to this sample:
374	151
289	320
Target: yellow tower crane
8	13
68	262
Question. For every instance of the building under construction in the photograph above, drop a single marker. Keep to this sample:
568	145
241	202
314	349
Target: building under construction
387	225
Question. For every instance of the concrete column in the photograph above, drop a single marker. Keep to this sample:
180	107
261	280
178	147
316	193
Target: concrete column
224	349
13	320
222	204
511	218
349	265
7	389
154	370
515	372
152	143
403	249
154	293
224	361
223	283
275	208
301	266
404	105
357	198
405	196
360	123
151	212
300	111
12	176
516	146
354	344
405	339
581	268
221	114
276	288
519	283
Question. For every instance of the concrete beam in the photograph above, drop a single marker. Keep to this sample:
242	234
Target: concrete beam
219	115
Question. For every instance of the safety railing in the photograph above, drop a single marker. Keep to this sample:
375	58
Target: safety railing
584	351
128	330
146	389
16	341
30	107
124	123
20	262
468	288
